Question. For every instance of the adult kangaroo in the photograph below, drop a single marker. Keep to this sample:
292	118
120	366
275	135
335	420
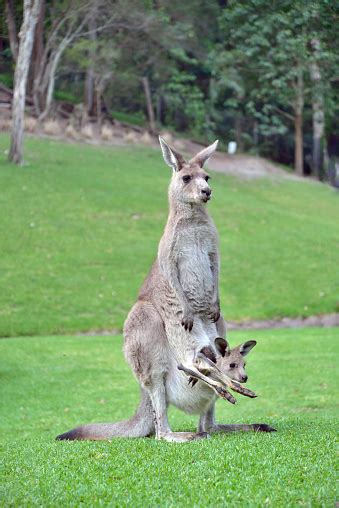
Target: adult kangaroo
176	318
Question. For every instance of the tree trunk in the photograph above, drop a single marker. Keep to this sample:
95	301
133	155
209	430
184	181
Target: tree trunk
89	81
159	109
89	91
255	135
238	131
51	77
318	115
298	125
298	148
150	110
12	33
38	48
99	105
47	80
31	13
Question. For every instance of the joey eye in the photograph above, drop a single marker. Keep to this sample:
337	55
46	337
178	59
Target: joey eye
233	365
207	178
186	178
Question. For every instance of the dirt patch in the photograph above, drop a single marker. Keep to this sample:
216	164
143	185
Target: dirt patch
325	321
241	165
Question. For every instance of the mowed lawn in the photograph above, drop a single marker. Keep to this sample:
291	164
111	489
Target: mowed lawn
51	384
80	226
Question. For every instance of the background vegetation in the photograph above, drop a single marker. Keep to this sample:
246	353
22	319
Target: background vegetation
263	73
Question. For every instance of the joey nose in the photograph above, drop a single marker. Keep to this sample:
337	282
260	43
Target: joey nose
244	379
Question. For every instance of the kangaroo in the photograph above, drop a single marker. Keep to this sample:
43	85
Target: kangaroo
177	317
191	398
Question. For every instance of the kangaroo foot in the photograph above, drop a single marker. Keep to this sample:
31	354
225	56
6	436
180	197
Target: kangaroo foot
263	427
219	389
253	427
182	437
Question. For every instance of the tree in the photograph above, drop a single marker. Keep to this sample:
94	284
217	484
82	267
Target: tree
284	53
269	47
12	32
31	14
318	114
67	22
323	67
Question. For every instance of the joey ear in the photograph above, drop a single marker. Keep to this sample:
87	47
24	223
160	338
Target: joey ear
245	348
172	158
221	345
202	157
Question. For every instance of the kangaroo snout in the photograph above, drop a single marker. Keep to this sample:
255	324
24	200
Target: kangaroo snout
244	379
206	193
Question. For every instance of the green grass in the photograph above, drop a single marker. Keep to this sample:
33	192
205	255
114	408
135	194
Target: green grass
51	384
80	227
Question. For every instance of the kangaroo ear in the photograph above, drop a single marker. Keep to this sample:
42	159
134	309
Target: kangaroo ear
173	159
245	348
221	345
202	157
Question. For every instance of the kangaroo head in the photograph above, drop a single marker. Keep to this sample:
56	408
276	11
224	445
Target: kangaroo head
189	182
231	361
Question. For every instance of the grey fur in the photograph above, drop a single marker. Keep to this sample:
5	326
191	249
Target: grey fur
177	314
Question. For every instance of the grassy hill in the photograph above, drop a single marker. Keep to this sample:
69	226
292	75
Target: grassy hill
80	226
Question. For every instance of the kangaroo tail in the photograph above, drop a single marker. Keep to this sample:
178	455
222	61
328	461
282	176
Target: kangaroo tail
140	425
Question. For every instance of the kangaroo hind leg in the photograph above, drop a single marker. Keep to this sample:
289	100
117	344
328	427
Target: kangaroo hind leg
147	350
207	423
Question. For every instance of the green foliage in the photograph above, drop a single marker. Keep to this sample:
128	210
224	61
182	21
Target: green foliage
183	95
132	118
101	55
51	384
80	227
66	95
267	48
231	70
6	79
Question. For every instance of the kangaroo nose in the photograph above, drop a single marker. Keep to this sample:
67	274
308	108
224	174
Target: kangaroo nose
244	379
206	192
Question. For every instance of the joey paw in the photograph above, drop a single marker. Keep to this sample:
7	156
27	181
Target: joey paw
192	380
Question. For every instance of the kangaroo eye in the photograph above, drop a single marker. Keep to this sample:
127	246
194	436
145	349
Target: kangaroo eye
207	178
186	178
233	365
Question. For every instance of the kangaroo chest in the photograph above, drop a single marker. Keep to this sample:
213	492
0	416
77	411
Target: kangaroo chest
195	248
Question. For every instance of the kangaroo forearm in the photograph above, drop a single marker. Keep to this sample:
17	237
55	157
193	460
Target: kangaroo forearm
215	265
170	272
